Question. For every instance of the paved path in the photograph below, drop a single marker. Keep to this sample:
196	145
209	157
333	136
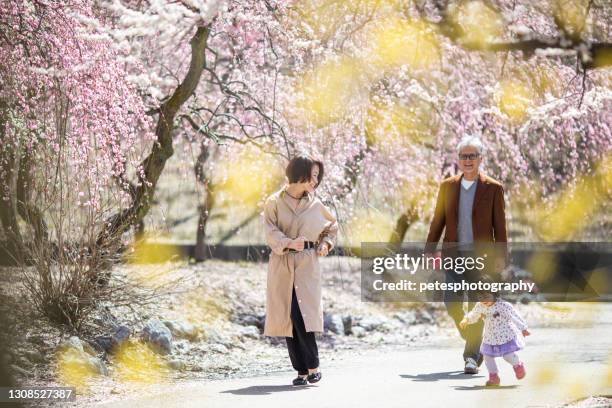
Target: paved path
563	364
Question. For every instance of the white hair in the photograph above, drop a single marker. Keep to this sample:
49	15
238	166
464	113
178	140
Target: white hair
471	141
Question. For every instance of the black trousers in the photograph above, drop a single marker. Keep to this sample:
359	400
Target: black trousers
302	347
472	334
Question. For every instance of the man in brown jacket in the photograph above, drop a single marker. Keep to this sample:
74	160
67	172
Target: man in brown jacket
469	209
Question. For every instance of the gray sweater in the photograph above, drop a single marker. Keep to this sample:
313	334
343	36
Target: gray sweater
466	203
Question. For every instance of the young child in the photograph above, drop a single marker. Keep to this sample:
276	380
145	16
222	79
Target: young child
500	338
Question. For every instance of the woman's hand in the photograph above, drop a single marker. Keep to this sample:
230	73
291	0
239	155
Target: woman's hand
297	244
525	332
323	249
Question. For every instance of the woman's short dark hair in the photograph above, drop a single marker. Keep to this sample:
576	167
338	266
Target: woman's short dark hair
300	167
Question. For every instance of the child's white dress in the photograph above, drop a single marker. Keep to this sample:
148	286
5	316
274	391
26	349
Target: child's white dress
501	322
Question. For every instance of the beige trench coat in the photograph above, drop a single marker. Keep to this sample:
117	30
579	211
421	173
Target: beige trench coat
282	224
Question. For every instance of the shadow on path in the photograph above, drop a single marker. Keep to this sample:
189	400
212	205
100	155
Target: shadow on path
484	387
264	389
446	375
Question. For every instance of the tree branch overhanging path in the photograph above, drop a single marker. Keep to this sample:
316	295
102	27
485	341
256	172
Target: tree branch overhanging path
591	54
162	149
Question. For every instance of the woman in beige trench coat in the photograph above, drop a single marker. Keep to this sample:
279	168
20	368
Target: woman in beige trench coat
299	229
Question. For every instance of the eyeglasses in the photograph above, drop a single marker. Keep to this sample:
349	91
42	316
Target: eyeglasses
471	156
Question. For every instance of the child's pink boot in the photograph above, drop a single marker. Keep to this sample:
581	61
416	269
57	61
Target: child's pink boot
493	380
519	370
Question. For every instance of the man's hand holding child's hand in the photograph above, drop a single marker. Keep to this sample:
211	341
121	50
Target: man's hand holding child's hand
463	323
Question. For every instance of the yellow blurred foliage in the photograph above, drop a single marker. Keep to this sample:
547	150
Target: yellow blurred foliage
572	15
75	369
368	226
560	308
574	207
153	262
543	265
330	90
576	389
543	80
321	19
247	176
144	252
608	375
513	98
202	307
397	42
317	18
603	58
545	374
135	362
478	23
393	124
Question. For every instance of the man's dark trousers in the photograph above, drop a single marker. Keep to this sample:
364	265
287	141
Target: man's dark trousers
472	334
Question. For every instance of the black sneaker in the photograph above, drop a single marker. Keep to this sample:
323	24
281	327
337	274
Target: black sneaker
314	378
470	366
300	381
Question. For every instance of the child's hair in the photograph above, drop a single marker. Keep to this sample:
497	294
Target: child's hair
483	295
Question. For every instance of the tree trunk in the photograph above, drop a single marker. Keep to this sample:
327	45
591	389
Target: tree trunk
206	207
26	209
8	213
162	150
204	210
401	227
8	209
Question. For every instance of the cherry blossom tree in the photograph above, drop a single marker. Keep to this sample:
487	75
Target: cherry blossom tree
71	124
384	90
381	90
67	110
232	104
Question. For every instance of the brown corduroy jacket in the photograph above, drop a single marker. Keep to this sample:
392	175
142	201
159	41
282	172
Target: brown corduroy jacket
488	212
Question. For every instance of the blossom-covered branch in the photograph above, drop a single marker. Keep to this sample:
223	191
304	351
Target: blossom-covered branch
569	34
